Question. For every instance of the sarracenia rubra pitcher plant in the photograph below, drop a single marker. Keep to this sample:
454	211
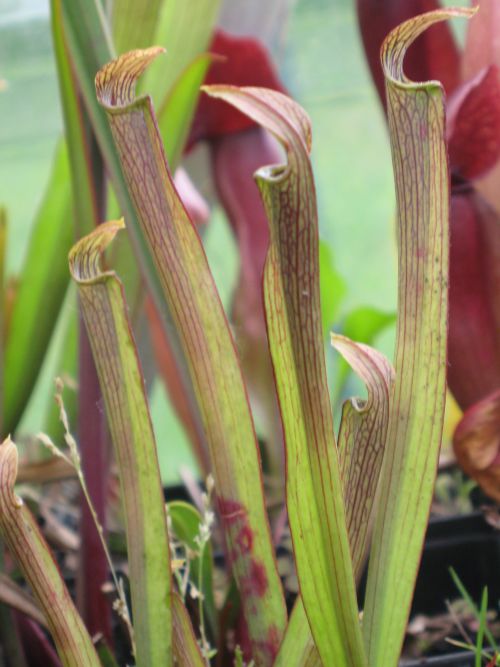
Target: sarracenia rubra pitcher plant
361	495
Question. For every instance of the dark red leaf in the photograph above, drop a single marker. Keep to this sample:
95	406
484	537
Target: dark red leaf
434	54
473	338
493	661
474	130
93	569
477	444
245	62
36	645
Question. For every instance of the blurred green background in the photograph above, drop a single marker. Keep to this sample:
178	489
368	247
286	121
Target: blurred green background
322	65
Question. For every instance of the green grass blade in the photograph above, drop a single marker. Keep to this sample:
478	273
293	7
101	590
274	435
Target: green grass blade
25	542
465	595
361	443
40	294
105	656
298	648
293	312
45	278
120	377
176	113
482	625
418	141
84	194
199	318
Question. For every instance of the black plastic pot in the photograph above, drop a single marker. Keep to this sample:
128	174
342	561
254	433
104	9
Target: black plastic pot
466	543
176	492
472	548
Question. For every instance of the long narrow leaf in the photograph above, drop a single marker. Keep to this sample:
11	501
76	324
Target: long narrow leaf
362	438
37	645
209	348
87	184
40	294
90	47
184	29
298	648
293	313
134	23
482	624
28	547
177	111
235	157
174	119
122	386
473	608
84	195
417	129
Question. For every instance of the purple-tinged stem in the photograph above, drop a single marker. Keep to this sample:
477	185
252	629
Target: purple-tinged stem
93	570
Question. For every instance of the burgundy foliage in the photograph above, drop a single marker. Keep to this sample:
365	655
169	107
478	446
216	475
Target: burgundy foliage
434	54
242	62
271	644
477	443
36	645
473	340
235	520
472	82
256	584
474	129
93	570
